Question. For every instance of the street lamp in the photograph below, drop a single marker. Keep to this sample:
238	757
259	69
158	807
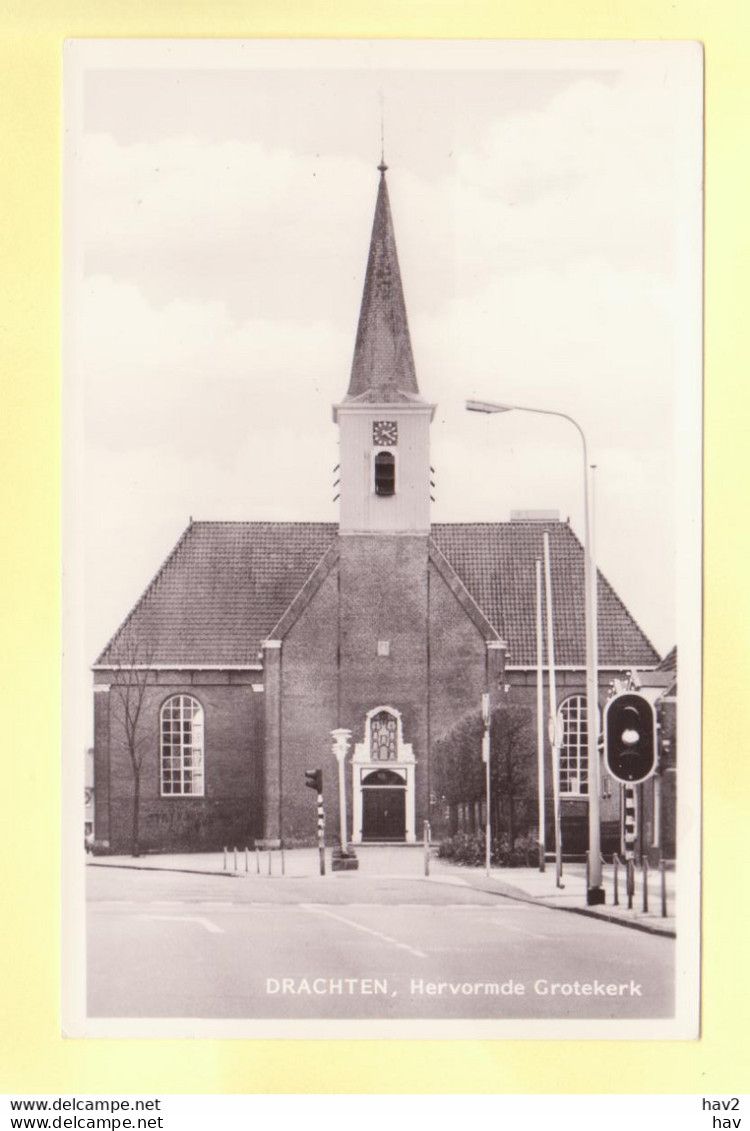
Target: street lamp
595	892
343	860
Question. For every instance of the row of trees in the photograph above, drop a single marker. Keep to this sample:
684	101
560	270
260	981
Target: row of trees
459	777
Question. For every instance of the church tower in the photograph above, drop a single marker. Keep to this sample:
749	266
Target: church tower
384	526
383	421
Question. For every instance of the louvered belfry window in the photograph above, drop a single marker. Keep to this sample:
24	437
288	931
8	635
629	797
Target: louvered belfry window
182	750
385	473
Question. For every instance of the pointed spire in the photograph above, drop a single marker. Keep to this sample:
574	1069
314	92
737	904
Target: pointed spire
383	366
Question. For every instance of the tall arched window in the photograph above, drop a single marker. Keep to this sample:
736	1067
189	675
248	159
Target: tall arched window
385	473
574	752
182	747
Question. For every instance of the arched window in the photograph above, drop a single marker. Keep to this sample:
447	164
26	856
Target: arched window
383	737
574	752
385	473
182	747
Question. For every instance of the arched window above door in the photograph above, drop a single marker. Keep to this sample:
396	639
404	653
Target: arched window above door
384	737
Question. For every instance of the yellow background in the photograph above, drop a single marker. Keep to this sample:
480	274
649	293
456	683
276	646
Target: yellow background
33	1056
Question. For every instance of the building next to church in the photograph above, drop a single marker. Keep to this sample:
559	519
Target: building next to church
256	639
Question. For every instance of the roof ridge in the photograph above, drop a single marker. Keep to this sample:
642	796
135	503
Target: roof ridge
261	522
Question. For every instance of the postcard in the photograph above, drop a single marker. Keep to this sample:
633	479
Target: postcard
382	391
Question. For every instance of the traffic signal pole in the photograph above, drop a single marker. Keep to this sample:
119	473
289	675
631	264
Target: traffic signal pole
314	780
321	835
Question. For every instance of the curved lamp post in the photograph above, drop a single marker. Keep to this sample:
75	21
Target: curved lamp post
595	892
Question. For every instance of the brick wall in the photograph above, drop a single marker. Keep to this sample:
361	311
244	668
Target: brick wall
229	812
309	712
383	597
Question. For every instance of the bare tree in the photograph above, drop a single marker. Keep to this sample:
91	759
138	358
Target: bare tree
130	680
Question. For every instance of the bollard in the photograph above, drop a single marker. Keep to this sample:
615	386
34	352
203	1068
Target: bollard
283	866
426	835
615	869
235	858
257	859
663	871
225	859
630	881
268	854
247	862
645	883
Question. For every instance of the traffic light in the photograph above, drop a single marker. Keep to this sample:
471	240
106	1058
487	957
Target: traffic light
314	780
630	737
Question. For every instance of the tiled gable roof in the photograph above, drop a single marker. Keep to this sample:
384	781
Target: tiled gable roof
226	585
222	590
496	562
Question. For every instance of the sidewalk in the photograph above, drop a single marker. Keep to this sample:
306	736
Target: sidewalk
401	862
538	887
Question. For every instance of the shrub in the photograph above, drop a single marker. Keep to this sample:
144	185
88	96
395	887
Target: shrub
468	850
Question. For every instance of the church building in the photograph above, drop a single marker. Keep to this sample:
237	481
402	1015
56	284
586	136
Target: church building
255	640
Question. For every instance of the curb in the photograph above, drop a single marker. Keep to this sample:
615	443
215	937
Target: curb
181	871
632	925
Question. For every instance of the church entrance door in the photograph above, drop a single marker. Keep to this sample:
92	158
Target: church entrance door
383	806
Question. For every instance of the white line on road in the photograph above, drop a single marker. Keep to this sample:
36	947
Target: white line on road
360	927
517	929
209	926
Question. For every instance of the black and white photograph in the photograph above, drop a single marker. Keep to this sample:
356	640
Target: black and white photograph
382	538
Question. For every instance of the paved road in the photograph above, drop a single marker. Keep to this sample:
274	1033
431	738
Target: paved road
348	946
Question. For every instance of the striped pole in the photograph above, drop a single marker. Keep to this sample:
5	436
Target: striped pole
321	835
630	808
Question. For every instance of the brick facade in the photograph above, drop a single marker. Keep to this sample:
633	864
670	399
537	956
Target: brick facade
231	810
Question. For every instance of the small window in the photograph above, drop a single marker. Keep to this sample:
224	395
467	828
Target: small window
385	473
182	747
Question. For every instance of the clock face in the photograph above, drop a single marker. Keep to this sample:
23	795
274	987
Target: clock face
385	433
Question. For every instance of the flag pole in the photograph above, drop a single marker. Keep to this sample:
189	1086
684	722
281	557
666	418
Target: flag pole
540	717
553	727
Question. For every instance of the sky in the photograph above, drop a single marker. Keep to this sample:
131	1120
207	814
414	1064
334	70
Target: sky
219	200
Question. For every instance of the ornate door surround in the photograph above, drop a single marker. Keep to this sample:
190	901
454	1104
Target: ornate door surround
383	748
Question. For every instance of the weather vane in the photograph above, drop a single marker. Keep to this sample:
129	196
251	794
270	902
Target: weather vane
382	166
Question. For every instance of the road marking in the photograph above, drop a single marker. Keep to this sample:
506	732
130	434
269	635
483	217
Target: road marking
360	927
209	926
518	930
